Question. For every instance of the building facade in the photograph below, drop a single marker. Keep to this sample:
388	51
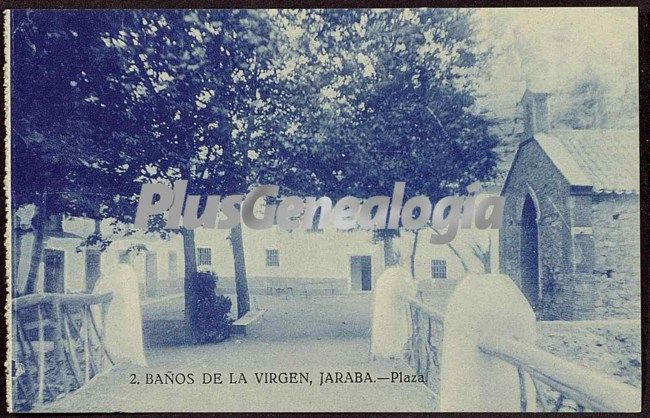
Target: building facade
321	261
571	227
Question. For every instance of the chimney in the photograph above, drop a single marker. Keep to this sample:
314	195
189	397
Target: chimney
535	112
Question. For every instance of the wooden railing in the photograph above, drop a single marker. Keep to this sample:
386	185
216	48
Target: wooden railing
572	387
560	386
426	341
57	344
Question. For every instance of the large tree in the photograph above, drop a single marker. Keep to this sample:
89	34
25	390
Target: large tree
53	142
388	96
319	101
200	90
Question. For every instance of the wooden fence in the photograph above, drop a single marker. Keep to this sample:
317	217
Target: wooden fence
57	344
560	386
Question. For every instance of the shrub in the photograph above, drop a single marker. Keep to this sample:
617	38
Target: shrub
210	313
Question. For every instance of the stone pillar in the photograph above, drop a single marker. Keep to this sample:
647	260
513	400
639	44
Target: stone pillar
470	380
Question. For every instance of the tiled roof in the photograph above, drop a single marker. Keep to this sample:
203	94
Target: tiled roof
607	160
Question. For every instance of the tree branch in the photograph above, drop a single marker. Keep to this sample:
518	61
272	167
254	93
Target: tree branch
453	250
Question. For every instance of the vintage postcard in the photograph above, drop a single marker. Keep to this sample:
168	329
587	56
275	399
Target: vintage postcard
322	210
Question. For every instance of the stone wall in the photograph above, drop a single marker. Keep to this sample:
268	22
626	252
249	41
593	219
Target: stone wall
612	289
617	226
577	296
589	245
535	174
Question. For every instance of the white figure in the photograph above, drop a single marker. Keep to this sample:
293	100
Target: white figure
123	326
391	320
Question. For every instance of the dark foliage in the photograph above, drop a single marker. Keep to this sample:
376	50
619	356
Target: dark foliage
210	313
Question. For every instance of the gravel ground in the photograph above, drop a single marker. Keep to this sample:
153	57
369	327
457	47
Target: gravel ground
338	316
310	335
313	334
610	347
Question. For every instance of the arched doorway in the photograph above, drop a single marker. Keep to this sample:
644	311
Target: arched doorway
529	260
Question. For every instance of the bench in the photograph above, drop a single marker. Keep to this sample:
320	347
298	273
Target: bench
244	324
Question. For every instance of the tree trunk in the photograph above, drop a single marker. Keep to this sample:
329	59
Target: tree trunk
16	254
16	240
241	281
189	255
38	226
488	257
413	251
390	256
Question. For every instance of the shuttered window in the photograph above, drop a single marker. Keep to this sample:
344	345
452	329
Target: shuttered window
272	258
204	256
439	269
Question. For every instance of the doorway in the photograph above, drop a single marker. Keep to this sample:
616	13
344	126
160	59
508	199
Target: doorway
151	273
529	252
54	261
172	266
93	268
361	272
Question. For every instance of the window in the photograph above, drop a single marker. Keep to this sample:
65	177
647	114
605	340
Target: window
125	257
272	258
439	269
204	256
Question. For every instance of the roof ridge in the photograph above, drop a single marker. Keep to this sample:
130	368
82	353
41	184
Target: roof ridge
594	130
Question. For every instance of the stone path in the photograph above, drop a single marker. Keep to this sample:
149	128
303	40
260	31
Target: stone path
325	335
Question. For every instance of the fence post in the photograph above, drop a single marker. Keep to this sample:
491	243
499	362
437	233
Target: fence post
103	306
41	354
85	310
486	304
57	337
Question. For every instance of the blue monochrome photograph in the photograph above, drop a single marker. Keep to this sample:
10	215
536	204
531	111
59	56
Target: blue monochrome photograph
322	210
